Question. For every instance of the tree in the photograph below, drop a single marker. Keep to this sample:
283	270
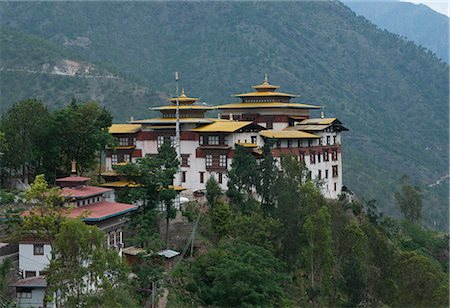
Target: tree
409	200
213	191
268	174
238	274
221	218
24	128
242	180
318	255
78	132
82	268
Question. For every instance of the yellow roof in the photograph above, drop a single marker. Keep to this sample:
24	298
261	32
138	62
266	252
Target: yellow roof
223	126
119	184
173	120
320	121
267	105
124	128
308	127
177	188
265	93
183	99
265	85
122	147
183	107
247	145
287	134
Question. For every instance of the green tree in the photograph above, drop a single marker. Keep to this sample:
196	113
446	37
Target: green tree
242	180
24	127
409	200
268	174
78	132
238	274
318	255
82	268
213	191
5	273
221	218
421	282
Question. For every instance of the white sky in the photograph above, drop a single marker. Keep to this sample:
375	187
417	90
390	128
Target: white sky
441	6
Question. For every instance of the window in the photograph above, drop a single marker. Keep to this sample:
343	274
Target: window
160	141
201	140
289	143
309	175
335	171
184	160
312	158
126	158
269	123
202	177
335	186
225	140
299	143
326	174
222	161
328	140
301	157
213	140
319	175
309	143
123	141
134	141
334	154
325	156
30	274
220	178
253	139
38	249
278	144
318	157
114	159
334	140
183	177
23	293
173	141
209	160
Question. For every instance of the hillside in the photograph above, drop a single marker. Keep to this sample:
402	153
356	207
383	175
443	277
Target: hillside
33	67
392	94
416	22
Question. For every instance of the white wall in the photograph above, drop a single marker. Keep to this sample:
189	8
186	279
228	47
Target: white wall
30	262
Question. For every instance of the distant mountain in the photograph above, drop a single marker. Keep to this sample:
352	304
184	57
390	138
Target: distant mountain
416	22
33	67
392	94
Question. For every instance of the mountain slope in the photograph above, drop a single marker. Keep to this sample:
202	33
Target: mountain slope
392	94
33	67
416	22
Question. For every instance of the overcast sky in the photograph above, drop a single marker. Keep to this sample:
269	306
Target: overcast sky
441	6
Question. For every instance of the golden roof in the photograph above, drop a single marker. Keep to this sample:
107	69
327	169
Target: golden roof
183	107
183	99
267	105
222	126
265	93
314	127
319	121
265	85
122	147
124	128
247	145
173	120
287	134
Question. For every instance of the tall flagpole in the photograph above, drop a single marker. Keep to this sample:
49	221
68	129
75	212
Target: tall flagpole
177	134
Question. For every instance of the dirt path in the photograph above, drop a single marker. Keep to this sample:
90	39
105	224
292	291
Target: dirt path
162	303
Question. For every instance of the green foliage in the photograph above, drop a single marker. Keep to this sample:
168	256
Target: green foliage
213	191
268	174
5	270
409	200
221	218
238	274
147	271
80	262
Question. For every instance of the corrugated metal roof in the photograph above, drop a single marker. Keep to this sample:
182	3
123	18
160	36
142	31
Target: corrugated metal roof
124	128
223	126
168	253
31	282
287	134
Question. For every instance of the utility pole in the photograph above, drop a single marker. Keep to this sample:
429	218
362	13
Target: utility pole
177	134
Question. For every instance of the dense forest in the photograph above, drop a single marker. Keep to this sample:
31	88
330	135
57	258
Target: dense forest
392	94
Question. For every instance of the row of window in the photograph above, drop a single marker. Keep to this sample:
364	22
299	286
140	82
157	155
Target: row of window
213	140
125	141
160	140
123	158
313	157
89	201
334	170
299	143
216	161
202	177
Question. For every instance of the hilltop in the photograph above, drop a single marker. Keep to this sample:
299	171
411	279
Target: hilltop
392	94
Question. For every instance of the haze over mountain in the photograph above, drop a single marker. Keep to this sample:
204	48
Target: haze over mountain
416	22
392	94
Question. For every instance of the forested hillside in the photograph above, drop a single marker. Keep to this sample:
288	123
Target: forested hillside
32	67
392	94
416	22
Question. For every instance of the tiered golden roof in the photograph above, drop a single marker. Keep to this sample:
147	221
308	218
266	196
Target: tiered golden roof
265	89
124	128
183	99
222	127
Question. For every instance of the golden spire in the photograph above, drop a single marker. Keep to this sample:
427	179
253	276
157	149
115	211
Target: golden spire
265	86
182	92
266	79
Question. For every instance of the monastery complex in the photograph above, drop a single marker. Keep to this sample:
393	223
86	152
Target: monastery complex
207	144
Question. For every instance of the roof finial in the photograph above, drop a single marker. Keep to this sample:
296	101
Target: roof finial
182	91
266	79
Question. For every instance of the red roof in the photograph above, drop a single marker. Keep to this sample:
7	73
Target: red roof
83	191
73	179
101	210
31	282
